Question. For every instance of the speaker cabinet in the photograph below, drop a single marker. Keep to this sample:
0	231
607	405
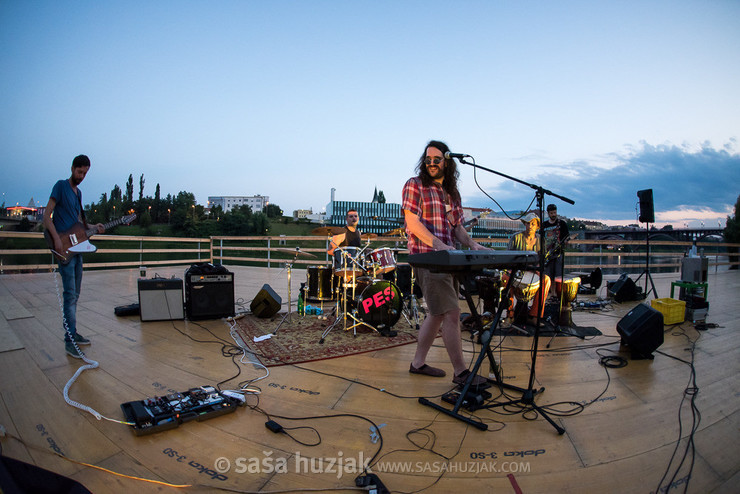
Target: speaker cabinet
624	289
209	296
647	212
160	299
642	331
266	303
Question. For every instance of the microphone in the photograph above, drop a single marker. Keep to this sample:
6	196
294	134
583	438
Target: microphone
449	155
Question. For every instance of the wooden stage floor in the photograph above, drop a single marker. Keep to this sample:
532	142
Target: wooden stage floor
628	429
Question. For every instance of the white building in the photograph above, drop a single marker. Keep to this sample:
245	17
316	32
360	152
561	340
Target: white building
227	203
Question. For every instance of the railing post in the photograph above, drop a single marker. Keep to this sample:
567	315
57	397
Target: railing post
268	252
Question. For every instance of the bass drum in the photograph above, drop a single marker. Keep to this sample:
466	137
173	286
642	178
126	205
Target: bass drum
380	305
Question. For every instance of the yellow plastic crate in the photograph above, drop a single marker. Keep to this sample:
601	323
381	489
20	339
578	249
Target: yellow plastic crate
674	311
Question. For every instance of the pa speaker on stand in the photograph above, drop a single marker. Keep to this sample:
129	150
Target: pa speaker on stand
209	292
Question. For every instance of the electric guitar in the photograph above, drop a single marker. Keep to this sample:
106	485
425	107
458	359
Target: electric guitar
76	239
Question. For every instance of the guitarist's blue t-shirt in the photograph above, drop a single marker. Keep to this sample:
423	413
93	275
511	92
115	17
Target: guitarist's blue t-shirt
67	208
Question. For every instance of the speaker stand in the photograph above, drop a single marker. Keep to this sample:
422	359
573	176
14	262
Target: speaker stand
646	271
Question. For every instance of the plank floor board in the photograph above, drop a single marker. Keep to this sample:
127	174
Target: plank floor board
621	426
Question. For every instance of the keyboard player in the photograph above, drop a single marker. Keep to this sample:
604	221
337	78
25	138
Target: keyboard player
434	221
530	240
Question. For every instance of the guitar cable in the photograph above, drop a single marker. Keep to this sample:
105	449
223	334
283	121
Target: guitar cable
90	364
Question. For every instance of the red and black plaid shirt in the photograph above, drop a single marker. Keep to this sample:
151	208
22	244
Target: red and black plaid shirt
435	209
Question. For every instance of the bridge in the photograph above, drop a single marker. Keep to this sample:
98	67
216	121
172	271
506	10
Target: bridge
684	234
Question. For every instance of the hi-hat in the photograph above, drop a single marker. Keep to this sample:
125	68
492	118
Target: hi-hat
327	230
297	252
394	232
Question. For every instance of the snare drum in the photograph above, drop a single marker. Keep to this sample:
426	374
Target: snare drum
348	262
319	283
526	287
381	260
380	304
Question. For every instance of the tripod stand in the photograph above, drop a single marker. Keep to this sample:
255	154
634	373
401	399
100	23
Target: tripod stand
646	271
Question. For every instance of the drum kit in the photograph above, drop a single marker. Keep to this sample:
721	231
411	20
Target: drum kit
362	284
358	282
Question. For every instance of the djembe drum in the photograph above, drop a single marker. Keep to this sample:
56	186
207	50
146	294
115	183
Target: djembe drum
566	289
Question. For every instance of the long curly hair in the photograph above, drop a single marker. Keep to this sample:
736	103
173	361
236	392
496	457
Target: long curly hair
451	174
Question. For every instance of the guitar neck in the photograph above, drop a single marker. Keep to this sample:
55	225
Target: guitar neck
92	231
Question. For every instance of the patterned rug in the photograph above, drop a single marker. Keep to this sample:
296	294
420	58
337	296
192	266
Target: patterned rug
297	341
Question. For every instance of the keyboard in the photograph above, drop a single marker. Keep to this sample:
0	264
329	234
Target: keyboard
472	260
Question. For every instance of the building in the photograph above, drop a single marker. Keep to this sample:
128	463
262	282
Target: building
300	214
257	203
374	217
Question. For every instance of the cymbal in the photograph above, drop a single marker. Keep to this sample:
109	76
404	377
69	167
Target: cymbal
370	235
394	232
296	252
327	230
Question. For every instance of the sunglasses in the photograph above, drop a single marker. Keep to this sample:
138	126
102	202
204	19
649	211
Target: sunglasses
437	160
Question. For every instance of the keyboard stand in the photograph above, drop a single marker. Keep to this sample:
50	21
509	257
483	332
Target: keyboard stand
485	334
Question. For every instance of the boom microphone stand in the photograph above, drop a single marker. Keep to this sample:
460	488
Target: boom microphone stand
528	396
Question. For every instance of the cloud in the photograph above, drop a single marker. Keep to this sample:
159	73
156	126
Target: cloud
690	183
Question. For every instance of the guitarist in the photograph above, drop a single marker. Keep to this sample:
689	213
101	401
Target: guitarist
64	211
556	236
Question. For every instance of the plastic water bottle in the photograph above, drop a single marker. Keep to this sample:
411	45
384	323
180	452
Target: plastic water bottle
300	302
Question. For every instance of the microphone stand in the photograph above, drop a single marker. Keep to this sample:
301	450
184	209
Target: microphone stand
528	397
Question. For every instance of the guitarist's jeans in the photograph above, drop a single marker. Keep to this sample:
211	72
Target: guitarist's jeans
71	283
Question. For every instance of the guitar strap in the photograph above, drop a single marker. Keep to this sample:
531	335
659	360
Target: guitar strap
82	210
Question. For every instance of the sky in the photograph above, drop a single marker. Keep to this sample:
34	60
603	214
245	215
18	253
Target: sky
290	99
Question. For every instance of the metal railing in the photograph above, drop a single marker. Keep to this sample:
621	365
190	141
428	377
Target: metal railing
27	252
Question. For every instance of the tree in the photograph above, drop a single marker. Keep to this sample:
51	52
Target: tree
141	186
381	197
129	197
732	234
273	211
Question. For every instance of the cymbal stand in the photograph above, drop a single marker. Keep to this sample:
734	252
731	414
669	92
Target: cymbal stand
288	315
412	311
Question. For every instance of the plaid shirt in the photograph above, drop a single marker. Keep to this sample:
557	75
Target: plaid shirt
430	205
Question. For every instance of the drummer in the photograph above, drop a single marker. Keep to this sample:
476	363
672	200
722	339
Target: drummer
530	240
350	237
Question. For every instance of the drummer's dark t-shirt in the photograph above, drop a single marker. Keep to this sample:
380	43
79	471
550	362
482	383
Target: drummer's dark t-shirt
351	239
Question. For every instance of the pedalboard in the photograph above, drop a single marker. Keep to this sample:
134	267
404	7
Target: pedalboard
161	413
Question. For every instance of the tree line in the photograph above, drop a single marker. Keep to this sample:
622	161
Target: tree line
181	212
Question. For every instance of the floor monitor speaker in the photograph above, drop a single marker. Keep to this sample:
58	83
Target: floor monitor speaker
209	296
266	303
624	289
642	331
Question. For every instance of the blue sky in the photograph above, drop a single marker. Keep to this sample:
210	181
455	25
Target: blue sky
289	99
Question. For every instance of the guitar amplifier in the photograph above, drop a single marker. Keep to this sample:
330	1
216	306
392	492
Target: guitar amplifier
209	292
160	299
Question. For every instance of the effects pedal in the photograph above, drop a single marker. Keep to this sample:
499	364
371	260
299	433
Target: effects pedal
473	399
161	413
